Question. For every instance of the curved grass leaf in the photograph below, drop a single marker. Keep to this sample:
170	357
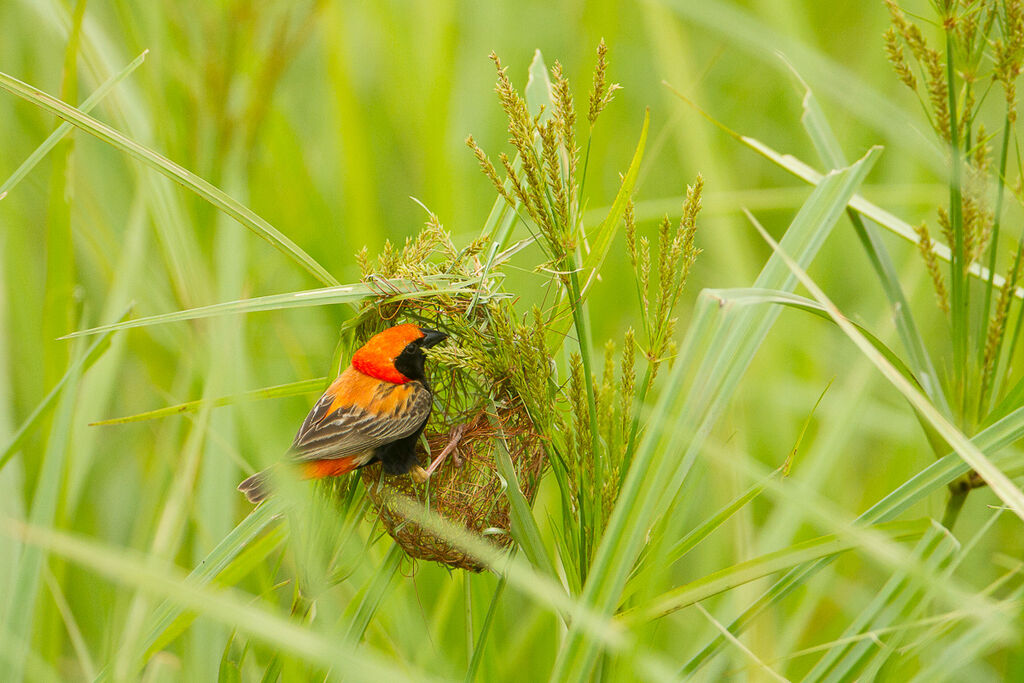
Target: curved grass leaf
602	239
978	461
214	195
933	478
770	563
524	526
306	386
897	598
399	290
63	129
224	605
19	607
752	296
719	346
375	594
831	154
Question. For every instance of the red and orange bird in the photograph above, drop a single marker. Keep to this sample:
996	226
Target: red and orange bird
374	411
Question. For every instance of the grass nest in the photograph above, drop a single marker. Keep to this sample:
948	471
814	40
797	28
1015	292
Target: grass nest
466	488
490	381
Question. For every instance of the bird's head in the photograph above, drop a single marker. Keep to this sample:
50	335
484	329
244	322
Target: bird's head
396	354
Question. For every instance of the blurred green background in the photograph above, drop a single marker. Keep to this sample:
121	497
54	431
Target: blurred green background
325	118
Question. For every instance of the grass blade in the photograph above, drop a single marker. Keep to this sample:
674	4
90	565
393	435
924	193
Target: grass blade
759	567
305	386
831	154
78	366
63	129
375	594
657	472
933	478
401	289
978	461
524	526
175	172
898	596
221	604
20	607
605	233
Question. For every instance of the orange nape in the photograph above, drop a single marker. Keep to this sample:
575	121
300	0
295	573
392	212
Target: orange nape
376	357
318	469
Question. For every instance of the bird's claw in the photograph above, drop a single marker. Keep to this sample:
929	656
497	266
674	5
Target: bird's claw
419	475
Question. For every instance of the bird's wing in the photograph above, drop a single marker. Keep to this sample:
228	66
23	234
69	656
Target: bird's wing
357	414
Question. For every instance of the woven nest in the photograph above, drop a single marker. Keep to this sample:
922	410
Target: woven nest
466	489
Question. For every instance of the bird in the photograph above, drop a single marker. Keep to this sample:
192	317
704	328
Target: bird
374	411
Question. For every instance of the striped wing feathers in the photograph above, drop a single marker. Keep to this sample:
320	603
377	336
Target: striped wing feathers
357	414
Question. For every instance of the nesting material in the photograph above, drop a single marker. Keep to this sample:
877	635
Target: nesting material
466	489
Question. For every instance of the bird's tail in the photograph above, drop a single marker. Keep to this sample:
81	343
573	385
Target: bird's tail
257	487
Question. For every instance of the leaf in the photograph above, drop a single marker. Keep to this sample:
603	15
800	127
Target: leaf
894	603
524	526
719	346
77	366
305	386
224	605
20	608
400	289
831	154
753	296
601	241
220	560
165	166
63	129
931	479
375	594
993	476
750	570
538	89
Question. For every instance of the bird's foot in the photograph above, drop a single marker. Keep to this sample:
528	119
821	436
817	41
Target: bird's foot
453	443
419	475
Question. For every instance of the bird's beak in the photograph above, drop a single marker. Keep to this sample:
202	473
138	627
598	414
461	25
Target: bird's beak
432	337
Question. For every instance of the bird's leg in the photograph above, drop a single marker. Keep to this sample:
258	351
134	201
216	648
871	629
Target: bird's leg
420	475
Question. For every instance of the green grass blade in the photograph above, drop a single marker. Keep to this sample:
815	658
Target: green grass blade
956	656
865	208
485	630
657	471
20	606
538	89
690	541
305	386
63	129
759	567
175	172
746	32
831	154
524	526
978	461
401	289
78	366
375	594
245	562
601	240
221	604
888	607
219	560
753	297
933	478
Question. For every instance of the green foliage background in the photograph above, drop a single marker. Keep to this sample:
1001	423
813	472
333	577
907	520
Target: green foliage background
324	118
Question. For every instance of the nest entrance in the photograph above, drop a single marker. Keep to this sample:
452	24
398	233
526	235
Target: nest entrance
466	488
